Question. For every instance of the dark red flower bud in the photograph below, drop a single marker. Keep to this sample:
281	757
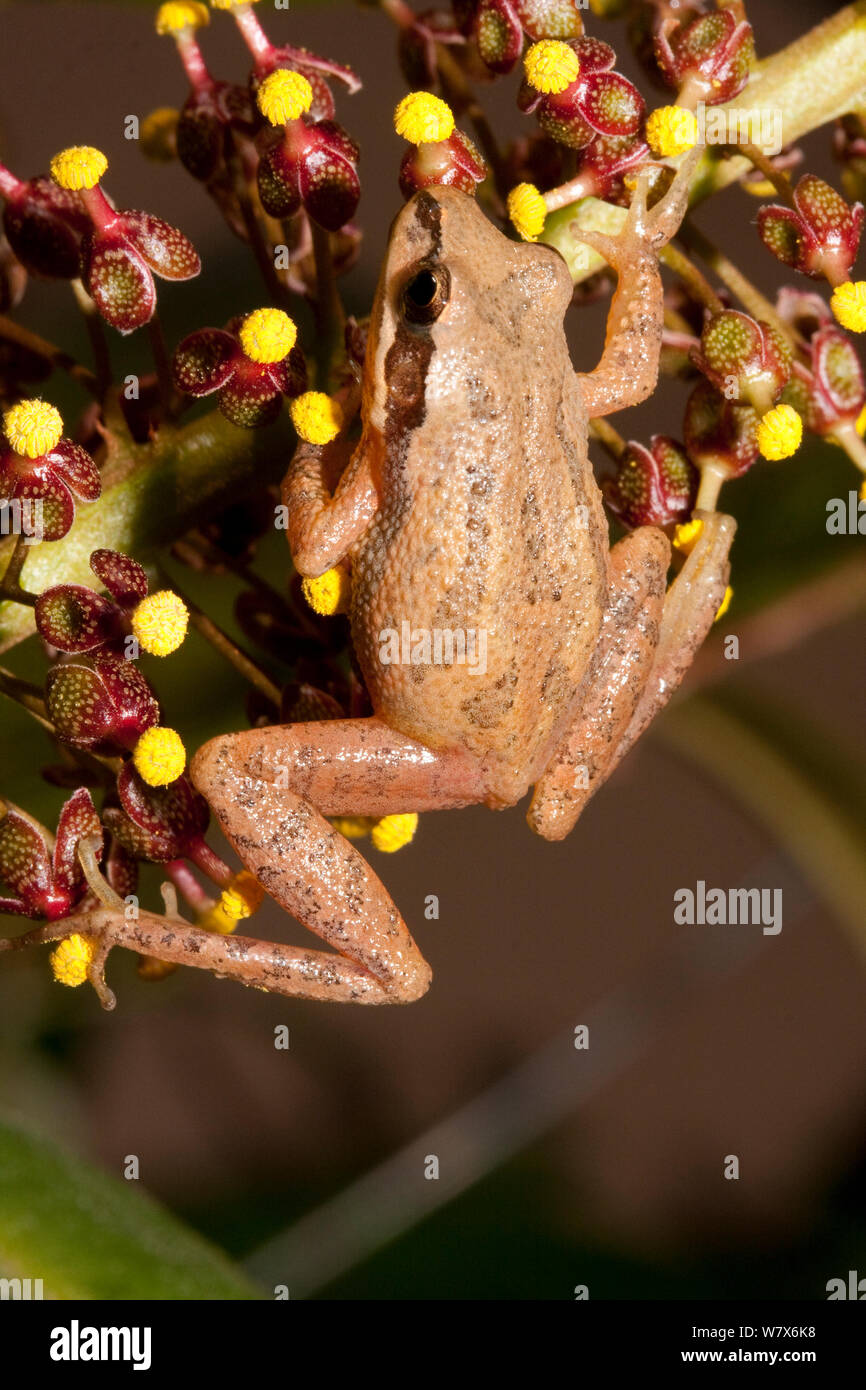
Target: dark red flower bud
819	236
121	249
550	19
719	433
157	823
707	58
655	486
498	34
598	102
207	117
117	263
250	391
46	882
73	618
747	360
54	478
835	387
44	225
100	701
452	163
314	163
606	160
302	702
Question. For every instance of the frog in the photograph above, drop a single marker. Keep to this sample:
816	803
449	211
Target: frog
468	506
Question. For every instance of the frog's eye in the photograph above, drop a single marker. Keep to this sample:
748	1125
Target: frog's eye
426	294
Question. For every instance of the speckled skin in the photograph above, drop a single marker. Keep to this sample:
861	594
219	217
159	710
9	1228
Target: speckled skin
490	519
470	504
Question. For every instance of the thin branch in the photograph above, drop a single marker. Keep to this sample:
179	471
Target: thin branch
49	352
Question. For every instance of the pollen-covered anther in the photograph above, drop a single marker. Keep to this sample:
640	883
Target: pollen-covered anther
33	428
159	756
671	130
527	211
686	535
317	418
71	959
284	96
393	832
267	335
242	897
725	604
79	166
178	15
551	66
780	432
158	132
328	593
160	622
423	119
848	303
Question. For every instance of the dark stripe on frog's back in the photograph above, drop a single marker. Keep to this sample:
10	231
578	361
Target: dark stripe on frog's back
407	363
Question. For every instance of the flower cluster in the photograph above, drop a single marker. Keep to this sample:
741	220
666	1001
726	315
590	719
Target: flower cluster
38	464
95	694
575	96
251	364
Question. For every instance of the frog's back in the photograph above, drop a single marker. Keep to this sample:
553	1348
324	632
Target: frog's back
479	587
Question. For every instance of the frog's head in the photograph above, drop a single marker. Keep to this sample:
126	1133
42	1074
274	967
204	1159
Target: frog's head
453	288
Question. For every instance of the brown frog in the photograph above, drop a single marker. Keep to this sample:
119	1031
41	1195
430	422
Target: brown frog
504	646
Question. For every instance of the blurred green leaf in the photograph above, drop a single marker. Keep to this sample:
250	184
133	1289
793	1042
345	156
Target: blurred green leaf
89	1235
795	778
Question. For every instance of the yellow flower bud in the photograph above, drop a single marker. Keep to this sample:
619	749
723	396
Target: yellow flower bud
160	622
779	432
284	96
725	604
328	593
267	335
393	832
527	211
551	66
317	418
71	958
176	15
423	119
671	130
159	756
33	428
81	166
848	303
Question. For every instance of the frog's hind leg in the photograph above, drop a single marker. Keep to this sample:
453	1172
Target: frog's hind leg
612	689
691	606
272	790
644	654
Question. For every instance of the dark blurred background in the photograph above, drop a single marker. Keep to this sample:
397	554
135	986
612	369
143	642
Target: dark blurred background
557	1167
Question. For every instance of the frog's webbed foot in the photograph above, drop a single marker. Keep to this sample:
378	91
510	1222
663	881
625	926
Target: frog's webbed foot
648	643
628	370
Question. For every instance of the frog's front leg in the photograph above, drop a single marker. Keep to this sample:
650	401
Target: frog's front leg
628	369
271	790
331	497
649	640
